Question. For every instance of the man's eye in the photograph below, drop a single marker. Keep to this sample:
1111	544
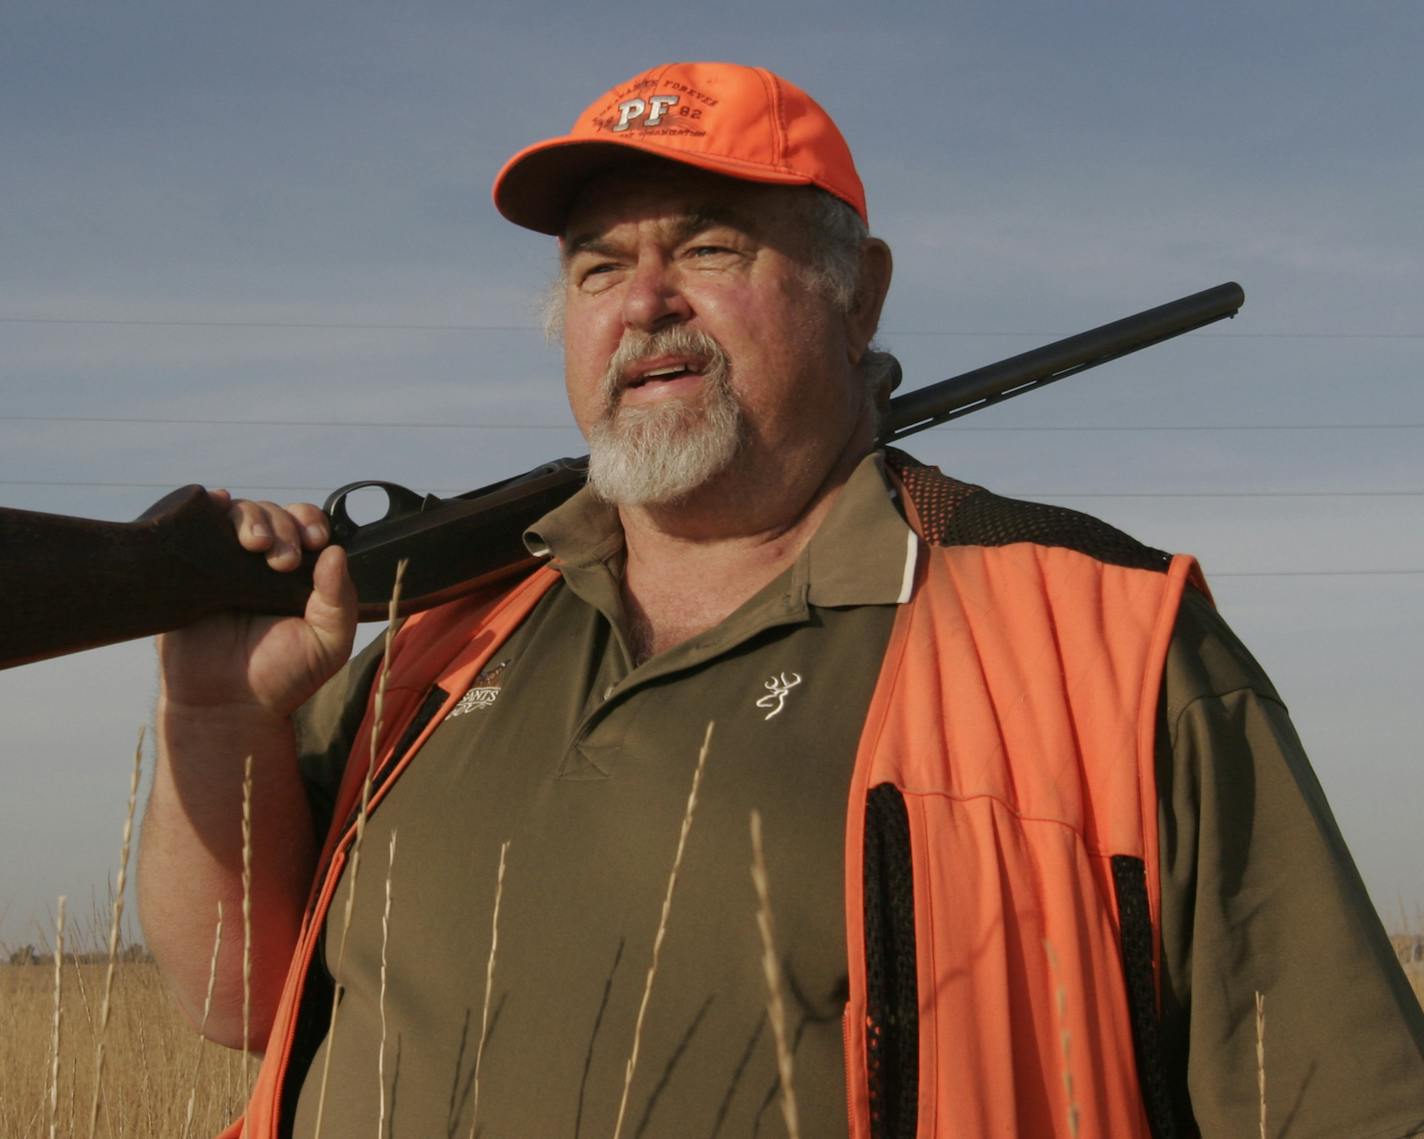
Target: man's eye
589	274
709	256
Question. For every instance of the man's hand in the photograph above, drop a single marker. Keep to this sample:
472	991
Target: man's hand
230	684
271	664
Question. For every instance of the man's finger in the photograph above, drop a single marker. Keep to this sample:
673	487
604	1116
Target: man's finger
315	526
333	596
254	531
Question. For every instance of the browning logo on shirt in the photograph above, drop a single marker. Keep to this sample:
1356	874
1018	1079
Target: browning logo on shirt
484	692
777	688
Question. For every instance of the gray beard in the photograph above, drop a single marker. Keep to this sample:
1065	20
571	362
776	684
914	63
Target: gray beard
661	454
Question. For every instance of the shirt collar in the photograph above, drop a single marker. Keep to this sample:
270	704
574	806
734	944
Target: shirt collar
863	553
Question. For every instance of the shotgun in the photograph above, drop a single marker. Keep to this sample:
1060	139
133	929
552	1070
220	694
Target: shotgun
68	584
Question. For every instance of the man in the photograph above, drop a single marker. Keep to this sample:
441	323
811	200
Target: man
1038	828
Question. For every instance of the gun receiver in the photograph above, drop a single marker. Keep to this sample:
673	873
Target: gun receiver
68	584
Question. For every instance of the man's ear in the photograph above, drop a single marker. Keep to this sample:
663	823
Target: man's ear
872	284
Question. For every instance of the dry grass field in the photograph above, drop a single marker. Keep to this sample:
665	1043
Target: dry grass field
154	1060
159	1079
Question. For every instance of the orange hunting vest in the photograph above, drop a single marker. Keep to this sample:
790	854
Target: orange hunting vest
1002	883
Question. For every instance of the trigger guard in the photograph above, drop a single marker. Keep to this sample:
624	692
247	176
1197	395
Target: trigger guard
400	501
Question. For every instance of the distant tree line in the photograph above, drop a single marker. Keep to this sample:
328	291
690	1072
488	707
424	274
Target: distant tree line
128	955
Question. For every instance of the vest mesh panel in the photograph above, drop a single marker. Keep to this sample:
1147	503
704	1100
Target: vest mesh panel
955	513
1130	883
892	1032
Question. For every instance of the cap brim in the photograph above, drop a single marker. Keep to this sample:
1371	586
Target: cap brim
538	186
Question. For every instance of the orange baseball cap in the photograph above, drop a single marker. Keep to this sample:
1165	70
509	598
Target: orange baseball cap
744	122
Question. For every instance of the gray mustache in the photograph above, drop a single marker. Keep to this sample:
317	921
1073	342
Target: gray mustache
637	346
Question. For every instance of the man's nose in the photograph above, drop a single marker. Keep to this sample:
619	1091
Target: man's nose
653	298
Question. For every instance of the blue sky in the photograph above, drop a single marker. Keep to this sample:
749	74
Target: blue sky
212	214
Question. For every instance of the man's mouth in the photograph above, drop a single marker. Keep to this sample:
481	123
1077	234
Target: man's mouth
671	366
662	373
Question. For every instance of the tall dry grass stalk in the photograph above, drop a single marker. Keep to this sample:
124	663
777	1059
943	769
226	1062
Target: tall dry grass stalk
1261	1057
489	986
381	1003
1060	1002
58	1006
115	925
354	866
246	914
771	971
203	1026
687	814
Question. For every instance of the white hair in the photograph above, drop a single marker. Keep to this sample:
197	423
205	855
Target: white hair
834	235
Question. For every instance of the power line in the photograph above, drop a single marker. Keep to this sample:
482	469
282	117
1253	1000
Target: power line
1198	335
1215	494
1057	494
1213	575
399	326
175	421
1186	427
331	325
339	423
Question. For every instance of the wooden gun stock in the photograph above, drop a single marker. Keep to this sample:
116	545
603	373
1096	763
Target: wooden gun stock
74	583
68	584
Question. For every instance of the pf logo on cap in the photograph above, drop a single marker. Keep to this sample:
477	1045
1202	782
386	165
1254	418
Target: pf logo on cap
650	112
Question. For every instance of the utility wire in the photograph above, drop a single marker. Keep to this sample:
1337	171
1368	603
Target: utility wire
174	421
336	423
1214	494
1057	494
1213	574
333	325
354	326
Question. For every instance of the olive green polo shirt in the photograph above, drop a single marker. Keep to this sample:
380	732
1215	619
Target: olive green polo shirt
582	762
1260	894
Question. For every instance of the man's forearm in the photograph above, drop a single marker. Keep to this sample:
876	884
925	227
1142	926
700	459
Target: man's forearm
191	858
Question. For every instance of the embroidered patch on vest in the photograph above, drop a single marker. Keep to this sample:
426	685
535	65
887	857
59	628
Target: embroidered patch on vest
484	692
